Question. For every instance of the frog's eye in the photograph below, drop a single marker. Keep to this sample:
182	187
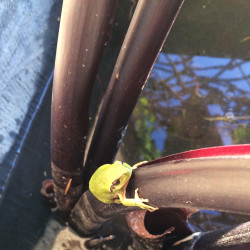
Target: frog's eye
116	182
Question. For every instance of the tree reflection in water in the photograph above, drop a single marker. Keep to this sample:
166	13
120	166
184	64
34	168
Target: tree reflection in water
191	102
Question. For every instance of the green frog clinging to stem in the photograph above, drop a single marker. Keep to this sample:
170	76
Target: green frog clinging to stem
109	182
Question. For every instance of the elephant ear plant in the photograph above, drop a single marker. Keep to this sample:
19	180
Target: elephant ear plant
170	183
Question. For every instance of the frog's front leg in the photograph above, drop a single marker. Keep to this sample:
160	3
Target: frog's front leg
136	201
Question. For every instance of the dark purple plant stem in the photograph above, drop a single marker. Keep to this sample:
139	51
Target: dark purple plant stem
84	33
233	238
147	32
220	183
217	181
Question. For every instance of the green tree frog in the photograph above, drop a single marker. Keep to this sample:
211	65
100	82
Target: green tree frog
109	182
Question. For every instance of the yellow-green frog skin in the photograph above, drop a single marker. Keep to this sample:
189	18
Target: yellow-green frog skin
109	182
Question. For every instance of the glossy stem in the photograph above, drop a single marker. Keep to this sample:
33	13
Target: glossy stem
147	32
213	179
84	33
233	238
220	183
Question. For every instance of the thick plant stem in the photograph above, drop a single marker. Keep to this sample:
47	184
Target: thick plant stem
220	183
84	33
147	32
210	178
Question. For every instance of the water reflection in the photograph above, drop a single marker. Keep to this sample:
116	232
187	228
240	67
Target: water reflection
192	102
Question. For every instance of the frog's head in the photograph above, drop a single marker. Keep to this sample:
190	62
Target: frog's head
109	180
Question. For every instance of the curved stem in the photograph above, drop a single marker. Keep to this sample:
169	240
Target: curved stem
149	27
214	183
211	178
84	33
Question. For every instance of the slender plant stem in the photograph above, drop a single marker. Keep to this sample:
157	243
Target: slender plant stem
147	32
